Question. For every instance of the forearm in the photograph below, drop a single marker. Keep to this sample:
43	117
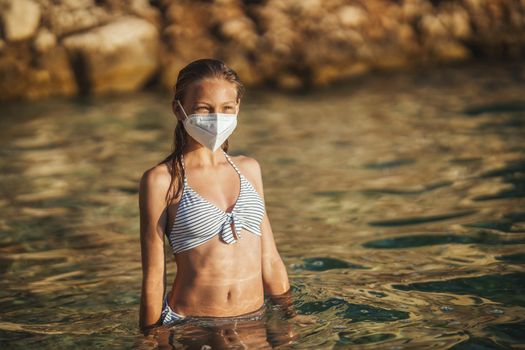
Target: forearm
147	326
275	277
150	308
277	286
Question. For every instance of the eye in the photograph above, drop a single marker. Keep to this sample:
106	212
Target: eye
201	109
229	108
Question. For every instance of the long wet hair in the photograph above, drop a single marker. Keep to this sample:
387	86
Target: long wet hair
194	71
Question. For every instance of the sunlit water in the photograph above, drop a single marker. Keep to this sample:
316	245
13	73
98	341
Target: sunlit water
396	201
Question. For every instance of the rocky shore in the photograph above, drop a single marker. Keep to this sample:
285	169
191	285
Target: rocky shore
70	47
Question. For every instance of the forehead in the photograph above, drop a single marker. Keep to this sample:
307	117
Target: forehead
211	90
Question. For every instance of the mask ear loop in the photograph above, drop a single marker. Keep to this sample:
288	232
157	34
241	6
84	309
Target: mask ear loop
183	111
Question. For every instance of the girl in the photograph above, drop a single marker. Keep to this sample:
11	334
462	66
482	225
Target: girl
211	207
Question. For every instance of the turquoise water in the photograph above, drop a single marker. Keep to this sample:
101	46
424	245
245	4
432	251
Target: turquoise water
396	201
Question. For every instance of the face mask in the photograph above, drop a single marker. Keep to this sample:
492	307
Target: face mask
210	130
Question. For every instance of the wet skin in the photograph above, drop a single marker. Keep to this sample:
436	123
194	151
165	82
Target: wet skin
214	278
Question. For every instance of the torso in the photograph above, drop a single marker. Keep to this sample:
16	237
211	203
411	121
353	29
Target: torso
215	278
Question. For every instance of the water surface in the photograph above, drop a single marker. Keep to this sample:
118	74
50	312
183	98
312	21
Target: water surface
396	201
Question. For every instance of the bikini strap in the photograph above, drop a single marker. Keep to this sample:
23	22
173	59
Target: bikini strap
231	162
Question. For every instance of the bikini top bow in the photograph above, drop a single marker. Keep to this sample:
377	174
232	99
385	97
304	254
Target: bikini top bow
226	229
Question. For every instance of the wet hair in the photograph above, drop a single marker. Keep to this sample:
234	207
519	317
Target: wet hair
194	71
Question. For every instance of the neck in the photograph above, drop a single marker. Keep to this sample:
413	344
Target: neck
203	157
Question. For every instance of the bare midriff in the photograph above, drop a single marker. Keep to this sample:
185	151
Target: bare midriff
219	279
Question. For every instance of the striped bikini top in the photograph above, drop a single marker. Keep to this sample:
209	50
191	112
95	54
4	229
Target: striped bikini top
197	220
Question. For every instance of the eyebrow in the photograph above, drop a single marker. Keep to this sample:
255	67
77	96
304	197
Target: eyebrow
208	104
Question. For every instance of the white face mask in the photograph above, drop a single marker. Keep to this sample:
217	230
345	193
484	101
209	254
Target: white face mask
210	130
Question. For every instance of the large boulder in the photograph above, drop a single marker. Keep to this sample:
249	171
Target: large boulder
20	19
119	56
69	17
23	75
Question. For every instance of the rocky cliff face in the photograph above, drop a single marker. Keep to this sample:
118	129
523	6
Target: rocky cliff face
67	47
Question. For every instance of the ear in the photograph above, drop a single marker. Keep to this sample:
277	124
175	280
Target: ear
238	106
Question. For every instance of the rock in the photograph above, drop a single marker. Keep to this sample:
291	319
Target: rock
433	27
142	9
138	8
327	74
22	75
186	38
119	56
460	24
289	81
449	50
351	16
65	19
117	45
44	40
13	70
20	19
52	75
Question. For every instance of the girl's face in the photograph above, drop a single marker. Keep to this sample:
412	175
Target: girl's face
210	95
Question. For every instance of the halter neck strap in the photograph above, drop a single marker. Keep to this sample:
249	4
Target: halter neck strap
231	162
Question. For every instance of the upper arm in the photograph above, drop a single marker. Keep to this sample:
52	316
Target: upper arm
275	277
153	218
269	248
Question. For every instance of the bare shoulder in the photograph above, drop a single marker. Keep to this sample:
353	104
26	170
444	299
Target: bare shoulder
247	163
251	169
156	180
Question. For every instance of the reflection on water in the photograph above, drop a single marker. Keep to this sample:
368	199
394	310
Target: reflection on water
396	202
